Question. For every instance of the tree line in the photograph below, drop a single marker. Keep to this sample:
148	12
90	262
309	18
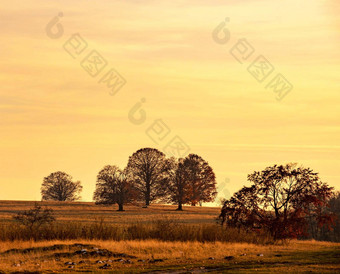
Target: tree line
148	177
287	201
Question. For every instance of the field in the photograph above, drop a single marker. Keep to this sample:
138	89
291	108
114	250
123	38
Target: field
87	212
149	253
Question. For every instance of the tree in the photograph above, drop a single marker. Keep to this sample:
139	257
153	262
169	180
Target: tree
113	187
279	200
58	186
148	169
178	185
192	181
200	179
35	217
332	210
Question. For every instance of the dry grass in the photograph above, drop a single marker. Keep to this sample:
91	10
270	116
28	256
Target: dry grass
157	232
86	212
295	257
89	221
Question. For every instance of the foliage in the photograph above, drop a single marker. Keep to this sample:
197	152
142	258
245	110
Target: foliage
58	186
326	233
280	200
201	179
192	181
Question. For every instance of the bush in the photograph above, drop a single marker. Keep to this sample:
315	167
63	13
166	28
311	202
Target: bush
35	218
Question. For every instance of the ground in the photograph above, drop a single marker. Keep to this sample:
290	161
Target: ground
152	255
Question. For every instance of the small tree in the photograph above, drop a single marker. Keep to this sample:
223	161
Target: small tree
35	217
58	186
148	168
113	187
280	200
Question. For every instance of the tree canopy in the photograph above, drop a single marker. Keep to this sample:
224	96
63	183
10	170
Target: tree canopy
279	200
113	187
200	178
192	181
148	169
59	186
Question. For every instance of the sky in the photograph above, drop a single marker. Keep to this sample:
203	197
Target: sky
180	80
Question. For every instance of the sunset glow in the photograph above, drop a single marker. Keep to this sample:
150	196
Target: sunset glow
55	116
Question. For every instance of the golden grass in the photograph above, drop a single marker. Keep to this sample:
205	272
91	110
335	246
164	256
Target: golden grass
87	212
296	256
90	221
196	223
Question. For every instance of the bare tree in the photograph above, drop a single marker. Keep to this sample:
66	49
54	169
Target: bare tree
178	185
148	170
58	186
113	187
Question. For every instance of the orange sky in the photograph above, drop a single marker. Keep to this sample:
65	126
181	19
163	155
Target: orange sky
55	116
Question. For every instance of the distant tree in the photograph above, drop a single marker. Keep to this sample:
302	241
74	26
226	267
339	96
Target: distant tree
200	179
58	186
279	201
192	181
148	169
178	185
35	217
113	187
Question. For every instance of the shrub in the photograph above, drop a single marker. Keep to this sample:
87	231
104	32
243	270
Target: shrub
35	217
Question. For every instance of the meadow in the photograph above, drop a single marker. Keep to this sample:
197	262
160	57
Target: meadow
84	212
91	238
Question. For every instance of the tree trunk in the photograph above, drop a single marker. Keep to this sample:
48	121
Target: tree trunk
120	207
179	206
147	196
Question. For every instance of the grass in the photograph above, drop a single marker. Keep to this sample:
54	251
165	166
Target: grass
182	241
85	212
297	256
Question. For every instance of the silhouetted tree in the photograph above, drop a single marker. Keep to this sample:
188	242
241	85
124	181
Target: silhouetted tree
113	187
35	217
58	186
279	200
200	179
148	169
178	185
